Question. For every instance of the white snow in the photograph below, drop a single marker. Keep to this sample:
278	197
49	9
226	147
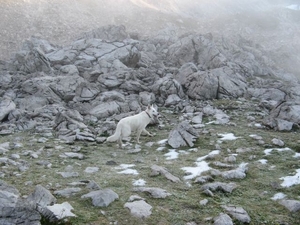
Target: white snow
139	182
278	196
228	137
62	210
196	171
129	171
269	150
172	154
263	161
214	152
126	169
291	180
297	155
124	166
162	142
160	148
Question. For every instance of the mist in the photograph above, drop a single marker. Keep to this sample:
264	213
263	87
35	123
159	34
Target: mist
272	24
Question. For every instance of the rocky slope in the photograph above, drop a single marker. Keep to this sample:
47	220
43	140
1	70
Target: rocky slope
70	94
268	23
76	93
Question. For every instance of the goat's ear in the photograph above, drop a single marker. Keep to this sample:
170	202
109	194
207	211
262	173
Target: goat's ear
149	107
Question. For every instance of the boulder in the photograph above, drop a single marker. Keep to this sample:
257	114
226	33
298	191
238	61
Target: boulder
284	116
102	198
6	106
238	213
291	205
14	209
140	208
182	135
223	219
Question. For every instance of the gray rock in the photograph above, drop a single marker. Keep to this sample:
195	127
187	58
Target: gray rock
219	186
68	174
6	106
91	169
203	179
182	135
42	197
102	198
140	208
284	125
14	210
198	118
238	213
277	142
156	170
223	219
278	117
67	192
72	155
291	205
238	173
154	192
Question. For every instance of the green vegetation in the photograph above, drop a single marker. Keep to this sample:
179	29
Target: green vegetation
254	193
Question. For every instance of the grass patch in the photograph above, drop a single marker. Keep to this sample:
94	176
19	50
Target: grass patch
254	193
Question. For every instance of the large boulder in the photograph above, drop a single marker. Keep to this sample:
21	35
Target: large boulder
6	106
216	83
284	116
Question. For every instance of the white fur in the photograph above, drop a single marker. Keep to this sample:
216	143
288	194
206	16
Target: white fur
136	123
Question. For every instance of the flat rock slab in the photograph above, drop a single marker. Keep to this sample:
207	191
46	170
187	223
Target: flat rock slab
182	135
291	205
140	208
67	192
156	170
154	192
102	198
238	213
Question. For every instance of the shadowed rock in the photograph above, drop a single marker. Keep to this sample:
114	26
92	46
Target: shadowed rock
219	186
183	135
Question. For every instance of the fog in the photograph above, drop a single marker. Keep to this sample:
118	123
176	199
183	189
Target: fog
273	24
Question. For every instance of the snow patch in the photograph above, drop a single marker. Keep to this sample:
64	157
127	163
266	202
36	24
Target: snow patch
139	182
228	137
196	171
278	196
269	150
126	169
62	210
214	152
291	180
263	161
172	154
